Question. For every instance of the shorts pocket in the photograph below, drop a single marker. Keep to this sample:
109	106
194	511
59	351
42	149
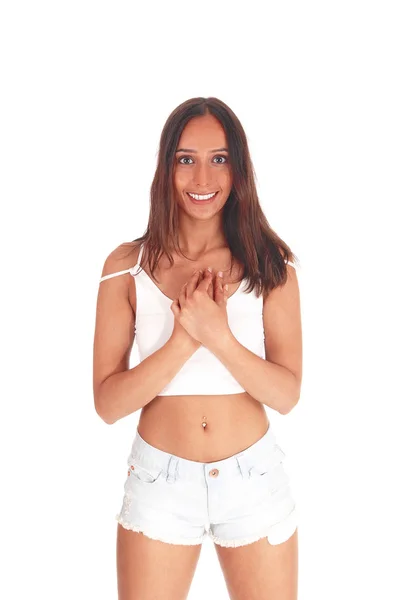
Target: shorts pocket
270	471
145	474
266	464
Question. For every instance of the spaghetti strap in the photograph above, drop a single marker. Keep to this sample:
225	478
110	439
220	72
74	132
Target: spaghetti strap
140	254
114	274
131	271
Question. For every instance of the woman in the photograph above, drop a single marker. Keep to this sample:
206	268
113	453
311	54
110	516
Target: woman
204	460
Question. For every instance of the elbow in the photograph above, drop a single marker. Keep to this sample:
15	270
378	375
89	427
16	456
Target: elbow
285	410
289	403
106	419
103	414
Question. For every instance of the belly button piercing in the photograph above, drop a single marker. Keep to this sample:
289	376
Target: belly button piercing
204	423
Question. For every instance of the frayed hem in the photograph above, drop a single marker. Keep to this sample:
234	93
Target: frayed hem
236	543
289	525
138	529
248	540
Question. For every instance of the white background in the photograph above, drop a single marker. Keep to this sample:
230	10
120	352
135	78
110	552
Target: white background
86	89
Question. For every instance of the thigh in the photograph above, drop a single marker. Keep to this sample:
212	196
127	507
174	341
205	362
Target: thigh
261	571
148	568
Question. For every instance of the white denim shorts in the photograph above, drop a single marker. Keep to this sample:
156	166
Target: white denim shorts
234	501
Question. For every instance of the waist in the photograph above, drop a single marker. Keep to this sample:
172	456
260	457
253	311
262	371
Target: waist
174	424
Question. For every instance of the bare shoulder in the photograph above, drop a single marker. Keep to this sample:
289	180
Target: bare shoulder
116	270
121	258
291	287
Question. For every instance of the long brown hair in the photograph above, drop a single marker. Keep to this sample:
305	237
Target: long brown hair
249	236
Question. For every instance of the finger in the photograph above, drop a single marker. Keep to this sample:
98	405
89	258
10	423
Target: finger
219	290
206	281
175	309
188	288
182	295
210	288
210	291
192	283
201	278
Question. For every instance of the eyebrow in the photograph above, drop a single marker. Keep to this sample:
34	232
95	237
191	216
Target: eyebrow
192	150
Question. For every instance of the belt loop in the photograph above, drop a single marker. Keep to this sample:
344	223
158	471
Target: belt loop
243	465
172	468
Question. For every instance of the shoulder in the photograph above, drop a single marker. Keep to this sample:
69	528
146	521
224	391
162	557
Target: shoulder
291	270
291	284
289	260
122	257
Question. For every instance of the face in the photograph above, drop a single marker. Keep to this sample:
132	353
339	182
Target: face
201	166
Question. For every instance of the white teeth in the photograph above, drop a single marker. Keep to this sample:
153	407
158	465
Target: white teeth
198	197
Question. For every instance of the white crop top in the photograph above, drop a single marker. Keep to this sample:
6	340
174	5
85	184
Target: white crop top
203	373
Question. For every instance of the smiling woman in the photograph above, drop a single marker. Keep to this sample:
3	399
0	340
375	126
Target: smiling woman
211	296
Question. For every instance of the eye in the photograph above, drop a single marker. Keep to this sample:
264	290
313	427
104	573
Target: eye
222	156
183	158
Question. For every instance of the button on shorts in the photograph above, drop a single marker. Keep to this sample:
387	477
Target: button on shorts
234	501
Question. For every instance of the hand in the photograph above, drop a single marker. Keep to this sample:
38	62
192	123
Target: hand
202	317
179	333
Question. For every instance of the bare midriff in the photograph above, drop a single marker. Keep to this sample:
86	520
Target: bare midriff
202	428
174	424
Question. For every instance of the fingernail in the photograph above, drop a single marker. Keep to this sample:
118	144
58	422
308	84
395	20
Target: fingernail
210	269
226	287
220	274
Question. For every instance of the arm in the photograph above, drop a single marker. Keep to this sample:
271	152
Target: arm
267	382
118	390
275	381
123	393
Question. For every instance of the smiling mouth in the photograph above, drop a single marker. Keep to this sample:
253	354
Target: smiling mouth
202	197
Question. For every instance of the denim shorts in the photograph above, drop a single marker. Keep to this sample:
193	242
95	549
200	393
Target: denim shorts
235	501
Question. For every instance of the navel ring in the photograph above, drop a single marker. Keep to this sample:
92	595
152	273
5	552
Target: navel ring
204	423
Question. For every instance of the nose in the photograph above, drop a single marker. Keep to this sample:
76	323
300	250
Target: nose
202	175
